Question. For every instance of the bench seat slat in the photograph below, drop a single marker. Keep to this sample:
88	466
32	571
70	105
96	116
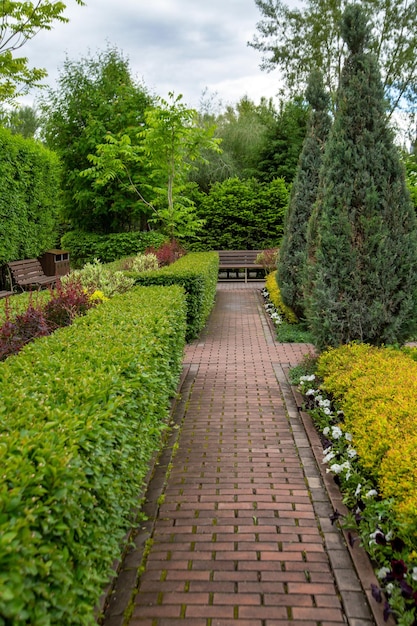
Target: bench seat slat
29	272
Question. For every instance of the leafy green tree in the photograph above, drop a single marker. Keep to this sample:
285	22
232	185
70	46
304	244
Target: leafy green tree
20	22
243	214
298	40
362	251
283	142
243	129
292	255
166	150
95	97
23	121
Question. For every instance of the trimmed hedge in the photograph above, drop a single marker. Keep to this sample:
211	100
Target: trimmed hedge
242	214
30	197
197	272
85	247
82	413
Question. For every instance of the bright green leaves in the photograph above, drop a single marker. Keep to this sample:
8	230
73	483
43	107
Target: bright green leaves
20	22
167	148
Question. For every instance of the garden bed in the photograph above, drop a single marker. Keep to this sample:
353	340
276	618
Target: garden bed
358	398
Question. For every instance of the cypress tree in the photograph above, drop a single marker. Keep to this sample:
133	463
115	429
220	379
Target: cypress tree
303	195
362	245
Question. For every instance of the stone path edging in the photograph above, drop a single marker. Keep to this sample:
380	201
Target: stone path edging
358	555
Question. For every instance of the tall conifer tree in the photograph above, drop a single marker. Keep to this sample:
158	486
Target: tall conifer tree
303	195
363	243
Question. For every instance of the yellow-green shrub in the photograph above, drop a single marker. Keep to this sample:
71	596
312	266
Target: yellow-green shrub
377	390
276	299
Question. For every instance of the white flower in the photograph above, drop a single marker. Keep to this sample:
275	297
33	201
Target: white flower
336	432
328	457
307	378
414	573
326	431
348	436
371	493
358	490
311	392
351	453
390	588
336	468
324	402
327	411
381	573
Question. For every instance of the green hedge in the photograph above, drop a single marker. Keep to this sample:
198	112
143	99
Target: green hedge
197	272
82	413
85	247
242	215
29	199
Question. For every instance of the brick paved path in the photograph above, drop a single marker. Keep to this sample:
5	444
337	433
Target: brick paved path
237	538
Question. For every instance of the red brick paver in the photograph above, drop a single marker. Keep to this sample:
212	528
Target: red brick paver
237	538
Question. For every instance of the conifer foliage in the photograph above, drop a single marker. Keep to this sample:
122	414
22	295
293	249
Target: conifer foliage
363	257
303	195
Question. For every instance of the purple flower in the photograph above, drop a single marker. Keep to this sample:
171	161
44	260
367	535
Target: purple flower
398	570
376	593
380	539
406	590
387	611
397	544
335	516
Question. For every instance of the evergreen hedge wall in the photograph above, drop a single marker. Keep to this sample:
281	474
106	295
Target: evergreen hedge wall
84	247
29	199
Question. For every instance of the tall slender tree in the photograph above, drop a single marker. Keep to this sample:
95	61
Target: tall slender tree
363	249
303	195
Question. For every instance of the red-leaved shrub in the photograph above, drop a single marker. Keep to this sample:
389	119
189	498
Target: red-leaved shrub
66	302
168	253
16	333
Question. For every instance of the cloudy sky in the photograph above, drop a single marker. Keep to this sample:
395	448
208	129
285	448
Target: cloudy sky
184	46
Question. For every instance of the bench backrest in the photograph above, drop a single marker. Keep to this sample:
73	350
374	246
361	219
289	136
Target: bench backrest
28	272
238	256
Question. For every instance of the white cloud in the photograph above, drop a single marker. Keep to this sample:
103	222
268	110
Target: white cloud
173	45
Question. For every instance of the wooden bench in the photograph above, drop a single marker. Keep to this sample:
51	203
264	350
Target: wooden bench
234	261
28	273
4	293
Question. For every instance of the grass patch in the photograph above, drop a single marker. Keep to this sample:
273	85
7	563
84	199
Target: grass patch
293	333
